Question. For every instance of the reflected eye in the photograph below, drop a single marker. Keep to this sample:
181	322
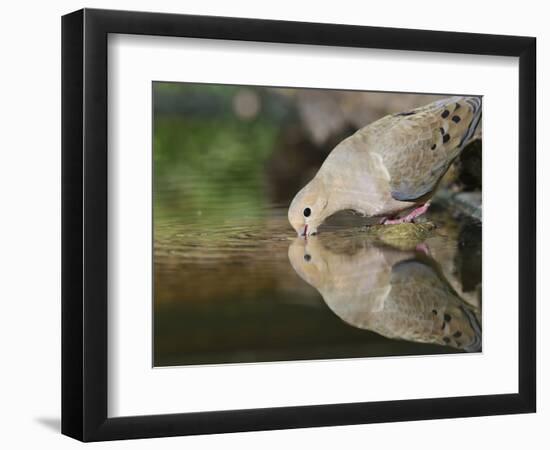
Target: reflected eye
307	257
307	212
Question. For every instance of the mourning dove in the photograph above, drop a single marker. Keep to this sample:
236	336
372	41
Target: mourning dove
397	294
390	168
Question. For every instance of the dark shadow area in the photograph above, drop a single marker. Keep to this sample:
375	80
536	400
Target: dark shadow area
53	423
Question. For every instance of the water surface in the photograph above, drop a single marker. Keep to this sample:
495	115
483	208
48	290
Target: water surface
246	289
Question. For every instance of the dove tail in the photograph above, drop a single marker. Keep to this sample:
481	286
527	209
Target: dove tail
475	103
475	345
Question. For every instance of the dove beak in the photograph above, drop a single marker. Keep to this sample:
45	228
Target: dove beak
306	231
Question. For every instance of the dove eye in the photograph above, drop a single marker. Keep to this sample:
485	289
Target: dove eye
307	212
307	258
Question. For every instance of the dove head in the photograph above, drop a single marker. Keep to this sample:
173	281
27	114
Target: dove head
309	209
308	258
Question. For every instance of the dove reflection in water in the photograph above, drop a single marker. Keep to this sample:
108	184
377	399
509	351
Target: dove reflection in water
400	295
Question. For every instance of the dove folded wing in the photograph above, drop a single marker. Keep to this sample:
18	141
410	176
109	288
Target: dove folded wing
418	148
429	308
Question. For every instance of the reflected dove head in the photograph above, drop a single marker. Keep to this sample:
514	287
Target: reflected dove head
308	209
306	258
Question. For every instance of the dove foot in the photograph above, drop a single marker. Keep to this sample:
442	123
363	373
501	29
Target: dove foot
409	217
423	248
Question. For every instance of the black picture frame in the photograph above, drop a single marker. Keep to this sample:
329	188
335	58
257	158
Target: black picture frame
84	224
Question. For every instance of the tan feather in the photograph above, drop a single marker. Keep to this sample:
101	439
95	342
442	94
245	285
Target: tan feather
388	291
418	147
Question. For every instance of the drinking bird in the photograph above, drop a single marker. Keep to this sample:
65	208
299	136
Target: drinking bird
391	168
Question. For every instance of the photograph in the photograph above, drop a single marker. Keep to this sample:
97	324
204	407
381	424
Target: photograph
299	224
267	225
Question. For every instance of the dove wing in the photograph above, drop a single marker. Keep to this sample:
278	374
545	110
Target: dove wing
417	147
433	310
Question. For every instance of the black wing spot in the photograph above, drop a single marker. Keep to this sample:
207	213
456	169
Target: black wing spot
442	130
445	114
446	340
433	147
410	113
447	317
446	138
455	119
457	334
457	106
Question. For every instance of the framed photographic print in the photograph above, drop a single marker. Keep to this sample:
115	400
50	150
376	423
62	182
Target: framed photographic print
273	224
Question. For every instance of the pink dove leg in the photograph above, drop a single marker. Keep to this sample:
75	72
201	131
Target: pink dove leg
409	217
423	248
